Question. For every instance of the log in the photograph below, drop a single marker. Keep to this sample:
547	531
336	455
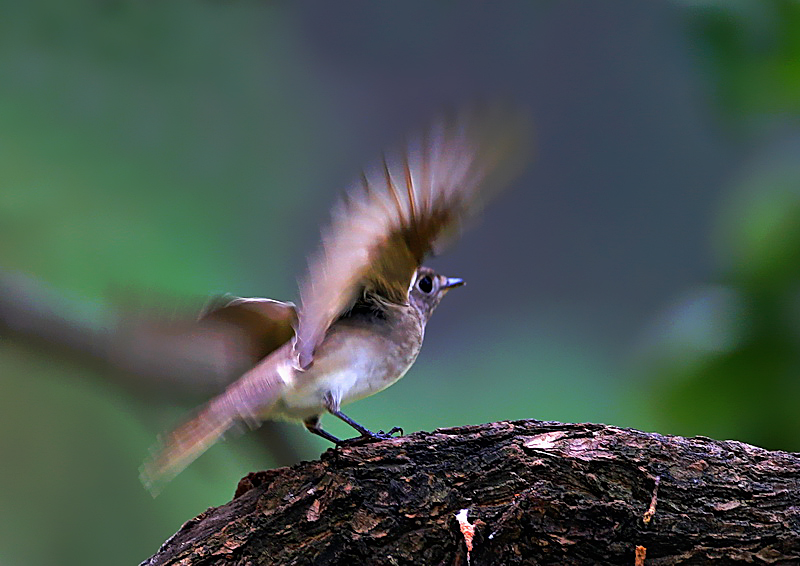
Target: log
522	492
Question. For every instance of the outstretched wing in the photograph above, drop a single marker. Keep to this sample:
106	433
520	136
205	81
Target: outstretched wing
405	208
264	325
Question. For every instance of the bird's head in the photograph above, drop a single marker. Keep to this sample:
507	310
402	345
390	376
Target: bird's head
428	288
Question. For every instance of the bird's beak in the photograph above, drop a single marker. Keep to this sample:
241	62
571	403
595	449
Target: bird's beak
451	282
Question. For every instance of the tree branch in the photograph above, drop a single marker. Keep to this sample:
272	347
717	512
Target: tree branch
535	493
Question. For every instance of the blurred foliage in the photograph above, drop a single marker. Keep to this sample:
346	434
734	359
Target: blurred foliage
725	360
752	53
122	156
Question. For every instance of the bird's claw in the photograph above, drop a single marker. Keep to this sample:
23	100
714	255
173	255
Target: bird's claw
371	437
391	433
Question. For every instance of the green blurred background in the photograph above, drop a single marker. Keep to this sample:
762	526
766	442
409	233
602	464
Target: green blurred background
644	272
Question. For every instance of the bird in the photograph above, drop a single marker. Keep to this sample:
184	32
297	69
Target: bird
367	297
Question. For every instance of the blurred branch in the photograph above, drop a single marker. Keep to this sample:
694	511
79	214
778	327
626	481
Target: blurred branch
525	492
166	360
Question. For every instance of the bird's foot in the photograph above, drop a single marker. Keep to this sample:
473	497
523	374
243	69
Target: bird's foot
394	430
369	436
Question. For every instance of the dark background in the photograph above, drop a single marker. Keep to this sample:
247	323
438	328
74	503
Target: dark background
643	272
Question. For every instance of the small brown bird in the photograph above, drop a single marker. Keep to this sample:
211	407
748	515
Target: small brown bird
367	298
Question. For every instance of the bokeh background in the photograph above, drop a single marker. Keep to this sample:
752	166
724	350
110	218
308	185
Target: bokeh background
644	272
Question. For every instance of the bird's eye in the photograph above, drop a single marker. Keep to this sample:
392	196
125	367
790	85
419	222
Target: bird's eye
425	284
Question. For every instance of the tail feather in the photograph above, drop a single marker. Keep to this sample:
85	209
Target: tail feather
247	400
182	446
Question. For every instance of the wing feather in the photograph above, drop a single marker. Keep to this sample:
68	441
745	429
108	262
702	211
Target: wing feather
264	324
407	207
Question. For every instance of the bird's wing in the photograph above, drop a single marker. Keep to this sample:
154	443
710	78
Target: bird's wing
264	324
405	208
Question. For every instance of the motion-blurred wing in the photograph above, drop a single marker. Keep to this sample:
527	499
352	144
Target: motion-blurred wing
405	208
264	324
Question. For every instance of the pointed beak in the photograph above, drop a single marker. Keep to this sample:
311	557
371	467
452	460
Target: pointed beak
453	282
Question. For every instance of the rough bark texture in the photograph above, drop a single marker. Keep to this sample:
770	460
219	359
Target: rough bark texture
536	493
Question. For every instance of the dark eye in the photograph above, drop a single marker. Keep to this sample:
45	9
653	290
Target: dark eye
425	284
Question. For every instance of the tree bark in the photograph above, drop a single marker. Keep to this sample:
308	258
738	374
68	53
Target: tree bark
535	493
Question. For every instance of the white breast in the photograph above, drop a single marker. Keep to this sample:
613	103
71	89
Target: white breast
349	367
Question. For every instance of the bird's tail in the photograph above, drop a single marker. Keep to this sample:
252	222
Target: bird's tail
183	445
250	398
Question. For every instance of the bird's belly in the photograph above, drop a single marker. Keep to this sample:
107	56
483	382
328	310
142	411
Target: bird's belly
344	373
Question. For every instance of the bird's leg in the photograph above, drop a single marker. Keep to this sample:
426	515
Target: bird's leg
361	429
313	426
366	434
332	405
